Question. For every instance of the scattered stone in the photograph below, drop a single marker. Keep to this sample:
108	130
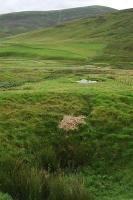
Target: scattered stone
71	123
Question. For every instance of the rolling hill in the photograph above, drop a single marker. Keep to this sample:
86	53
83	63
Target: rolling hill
105	38
20	22
60	139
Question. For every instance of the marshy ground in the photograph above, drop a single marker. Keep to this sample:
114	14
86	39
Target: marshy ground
33	101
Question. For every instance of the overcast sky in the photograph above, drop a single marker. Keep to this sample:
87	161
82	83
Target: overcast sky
21	5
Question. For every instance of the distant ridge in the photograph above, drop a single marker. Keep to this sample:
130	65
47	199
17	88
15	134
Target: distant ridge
20	22
105	38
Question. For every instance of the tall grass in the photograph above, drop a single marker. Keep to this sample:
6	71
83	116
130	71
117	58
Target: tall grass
29	183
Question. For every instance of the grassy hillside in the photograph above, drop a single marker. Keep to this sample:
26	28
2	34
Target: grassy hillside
39	88
105	39
95	158
27	21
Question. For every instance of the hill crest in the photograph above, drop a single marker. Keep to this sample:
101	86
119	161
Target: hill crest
20	22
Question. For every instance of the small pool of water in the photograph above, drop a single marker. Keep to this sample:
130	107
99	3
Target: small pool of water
84	81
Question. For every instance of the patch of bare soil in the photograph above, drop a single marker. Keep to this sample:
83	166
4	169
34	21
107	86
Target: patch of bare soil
71	123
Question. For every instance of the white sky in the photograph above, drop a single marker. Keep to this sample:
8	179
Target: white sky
21	5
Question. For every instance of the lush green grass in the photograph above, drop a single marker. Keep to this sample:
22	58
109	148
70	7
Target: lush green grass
35	99
38	86
105	39
5	197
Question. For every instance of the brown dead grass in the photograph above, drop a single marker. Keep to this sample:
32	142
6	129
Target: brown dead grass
71	123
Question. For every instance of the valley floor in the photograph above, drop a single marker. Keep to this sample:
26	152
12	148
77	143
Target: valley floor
97	156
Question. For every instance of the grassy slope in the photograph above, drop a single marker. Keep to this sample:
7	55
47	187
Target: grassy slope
34	98
35	94
102	39
26	21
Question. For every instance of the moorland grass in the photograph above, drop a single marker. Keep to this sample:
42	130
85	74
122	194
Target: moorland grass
105	39
29	119
5	196
38	86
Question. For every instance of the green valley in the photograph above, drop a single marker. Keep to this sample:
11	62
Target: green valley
40	73
103	39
